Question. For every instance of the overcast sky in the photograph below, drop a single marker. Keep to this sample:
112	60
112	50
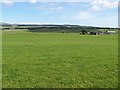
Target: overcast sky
81	12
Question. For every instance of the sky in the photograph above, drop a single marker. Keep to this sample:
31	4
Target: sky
102	13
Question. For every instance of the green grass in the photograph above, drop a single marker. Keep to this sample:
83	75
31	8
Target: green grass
59	60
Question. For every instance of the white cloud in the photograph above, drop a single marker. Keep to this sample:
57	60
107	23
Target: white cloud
56	8
41	7
83	15
66	0
29	23
44	7
7	2
39	23
103	4
84	18
33	1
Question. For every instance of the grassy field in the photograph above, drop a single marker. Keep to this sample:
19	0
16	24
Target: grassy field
62	60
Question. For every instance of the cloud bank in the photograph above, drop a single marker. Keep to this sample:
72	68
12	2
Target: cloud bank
103	4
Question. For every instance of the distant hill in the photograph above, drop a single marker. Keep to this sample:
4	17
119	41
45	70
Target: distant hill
54	27
4	24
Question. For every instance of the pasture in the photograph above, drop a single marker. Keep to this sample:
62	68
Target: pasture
59	60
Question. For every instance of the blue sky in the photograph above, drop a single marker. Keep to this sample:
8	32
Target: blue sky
92	13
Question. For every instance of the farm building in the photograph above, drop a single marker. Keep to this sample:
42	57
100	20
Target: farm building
111	32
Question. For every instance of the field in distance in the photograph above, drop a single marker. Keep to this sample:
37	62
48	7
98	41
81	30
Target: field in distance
62	60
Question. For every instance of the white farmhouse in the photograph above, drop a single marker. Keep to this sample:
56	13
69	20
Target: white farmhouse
111	32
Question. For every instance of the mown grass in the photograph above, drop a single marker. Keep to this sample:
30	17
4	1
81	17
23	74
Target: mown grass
62	60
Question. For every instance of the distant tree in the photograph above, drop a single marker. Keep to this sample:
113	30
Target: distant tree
84	32
93	33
